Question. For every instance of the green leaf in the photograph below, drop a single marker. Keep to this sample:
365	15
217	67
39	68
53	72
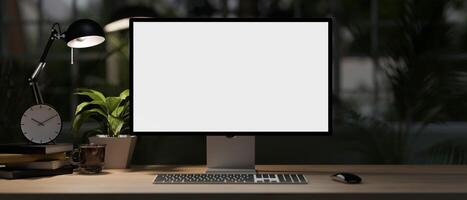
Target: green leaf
124	94
118	111
122	111
78	121
115	124
85	115
93	94
83	105
112	103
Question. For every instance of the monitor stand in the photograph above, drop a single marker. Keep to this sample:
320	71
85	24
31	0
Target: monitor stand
230	154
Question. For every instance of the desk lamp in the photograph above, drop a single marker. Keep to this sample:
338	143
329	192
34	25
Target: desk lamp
41	123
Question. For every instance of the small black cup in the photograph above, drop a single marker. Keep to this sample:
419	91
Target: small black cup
90	158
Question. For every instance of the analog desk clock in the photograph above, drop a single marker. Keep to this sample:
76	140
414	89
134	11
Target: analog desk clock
41	124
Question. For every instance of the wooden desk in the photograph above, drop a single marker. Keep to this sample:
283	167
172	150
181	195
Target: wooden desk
380	182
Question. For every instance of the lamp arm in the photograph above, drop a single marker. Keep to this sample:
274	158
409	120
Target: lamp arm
52	38
54	35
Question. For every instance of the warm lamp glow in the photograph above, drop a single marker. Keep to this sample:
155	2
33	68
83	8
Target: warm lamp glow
120	24
121	18
86	41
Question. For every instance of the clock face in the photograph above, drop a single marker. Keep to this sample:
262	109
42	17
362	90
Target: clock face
41	124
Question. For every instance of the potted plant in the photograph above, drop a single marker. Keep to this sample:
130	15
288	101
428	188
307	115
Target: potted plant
112	113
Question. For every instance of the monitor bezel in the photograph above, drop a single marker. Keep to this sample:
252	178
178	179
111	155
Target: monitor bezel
232	133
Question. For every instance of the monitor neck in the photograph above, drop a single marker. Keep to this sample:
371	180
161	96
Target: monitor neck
230	154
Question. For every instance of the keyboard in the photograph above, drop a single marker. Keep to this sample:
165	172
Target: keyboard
230	179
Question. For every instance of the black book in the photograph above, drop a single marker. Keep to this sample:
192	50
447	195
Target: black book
35	148
27	173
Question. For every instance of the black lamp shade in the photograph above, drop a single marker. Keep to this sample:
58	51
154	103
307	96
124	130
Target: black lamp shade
84	33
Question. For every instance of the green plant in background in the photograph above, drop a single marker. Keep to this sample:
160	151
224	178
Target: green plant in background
448	152
112	113
426	88
16	97
378	141
420	76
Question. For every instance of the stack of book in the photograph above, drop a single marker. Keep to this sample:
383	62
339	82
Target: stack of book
24	160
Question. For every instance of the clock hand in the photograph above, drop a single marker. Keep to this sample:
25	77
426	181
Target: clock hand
49	119
38	122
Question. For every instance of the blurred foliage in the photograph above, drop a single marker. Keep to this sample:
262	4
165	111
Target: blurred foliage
16	98
448	152
421	80
425	86
378	141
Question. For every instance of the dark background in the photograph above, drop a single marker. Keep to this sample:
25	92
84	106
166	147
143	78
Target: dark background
399	76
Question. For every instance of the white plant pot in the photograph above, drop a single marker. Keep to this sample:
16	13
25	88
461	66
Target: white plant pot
118	150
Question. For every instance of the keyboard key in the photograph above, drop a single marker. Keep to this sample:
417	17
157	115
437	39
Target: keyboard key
281	178
287	177
294	177
301	178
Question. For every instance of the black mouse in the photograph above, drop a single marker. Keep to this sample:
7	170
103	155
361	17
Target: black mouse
346	177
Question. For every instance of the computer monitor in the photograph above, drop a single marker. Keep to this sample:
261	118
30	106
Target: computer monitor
230	79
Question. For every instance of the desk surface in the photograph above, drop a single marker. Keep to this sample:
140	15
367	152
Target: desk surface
381	181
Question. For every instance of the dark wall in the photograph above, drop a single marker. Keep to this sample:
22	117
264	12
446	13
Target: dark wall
269	150
345	146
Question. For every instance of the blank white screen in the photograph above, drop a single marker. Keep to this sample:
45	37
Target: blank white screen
230	76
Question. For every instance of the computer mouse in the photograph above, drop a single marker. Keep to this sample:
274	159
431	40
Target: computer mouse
346	177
